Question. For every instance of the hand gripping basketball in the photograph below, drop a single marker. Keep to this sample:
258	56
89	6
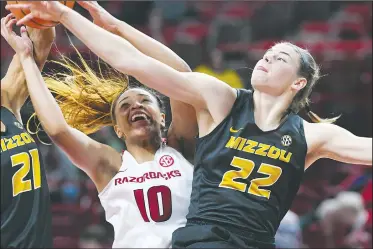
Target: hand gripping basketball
38	14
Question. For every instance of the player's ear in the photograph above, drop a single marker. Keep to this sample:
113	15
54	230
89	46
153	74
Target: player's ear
119	133
163	119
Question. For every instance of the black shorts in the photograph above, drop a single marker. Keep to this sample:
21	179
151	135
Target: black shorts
211	236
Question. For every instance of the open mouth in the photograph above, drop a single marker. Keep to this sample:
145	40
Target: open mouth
136	117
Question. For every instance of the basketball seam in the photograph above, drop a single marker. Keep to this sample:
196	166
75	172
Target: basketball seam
33	21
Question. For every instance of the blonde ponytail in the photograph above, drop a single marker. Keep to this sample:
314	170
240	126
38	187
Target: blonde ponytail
84	96
317	119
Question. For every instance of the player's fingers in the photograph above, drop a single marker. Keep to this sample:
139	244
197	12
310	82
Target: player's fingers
24	32
9	25
88	5
17	6
3	27
8	17
25	19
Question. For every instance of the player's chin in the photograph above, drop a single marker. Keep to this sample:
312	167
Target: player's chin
258	81
144	128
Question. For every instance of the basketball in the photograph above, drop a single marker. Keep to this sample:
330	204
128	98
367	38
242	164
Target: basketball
36	22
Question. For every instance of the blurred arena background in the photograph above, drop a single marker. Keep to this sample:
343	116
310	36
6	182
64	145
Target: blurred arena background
333	208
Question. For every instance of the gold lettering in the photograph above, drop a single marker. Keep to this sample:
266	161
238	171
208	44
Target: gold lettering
3	147
10	144
286	158
273	152
243	141
18	140
25	137
262	150
249	147
233	142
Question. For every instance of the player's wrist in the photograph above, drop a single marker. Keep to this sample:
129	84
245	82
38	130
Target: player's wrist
26	58
64	13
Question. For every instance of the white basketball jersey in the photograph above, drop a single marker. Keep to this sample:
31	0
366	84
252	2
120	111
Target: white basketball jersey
146	202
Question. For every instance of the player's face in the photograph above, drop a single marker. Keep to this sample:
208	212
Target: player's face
138	115
277	71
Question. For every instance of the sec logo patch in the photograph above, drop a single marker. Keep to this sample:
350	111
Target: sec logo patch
166	161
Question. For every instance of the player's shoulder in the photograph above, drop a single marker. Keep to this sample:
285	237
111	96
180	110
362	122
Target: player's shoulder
317	133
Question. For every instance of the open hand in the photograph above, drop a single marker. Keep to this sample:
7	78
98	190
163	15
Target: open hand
100	16
22	45
46	10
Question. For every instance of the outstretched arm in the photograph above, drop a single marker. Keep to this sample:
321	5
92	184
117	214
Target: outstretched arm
184	127
334	142
13	88
205	93
144	43
83	151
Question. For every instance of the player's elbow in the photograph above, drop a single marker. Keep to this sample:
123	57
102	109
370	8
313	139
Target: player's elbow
57	131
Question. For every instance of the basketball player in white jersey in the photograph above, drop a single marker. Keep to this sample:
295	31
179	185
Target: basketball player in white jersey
145	191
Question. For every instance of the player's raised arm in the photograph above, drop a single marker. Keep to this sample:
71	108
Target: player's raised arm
184	124
199	90
144	43
82	150
13	87
334	142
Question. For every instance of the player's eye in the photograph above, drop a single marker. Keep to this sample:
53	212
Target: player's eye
124	106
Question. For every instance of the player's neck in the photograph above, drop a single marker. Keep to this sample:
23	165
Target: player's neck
269	110
142	153
14	99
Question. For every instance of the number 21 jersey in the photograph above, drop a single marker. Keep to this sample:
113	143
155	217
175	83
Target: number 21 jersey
25	202
146	202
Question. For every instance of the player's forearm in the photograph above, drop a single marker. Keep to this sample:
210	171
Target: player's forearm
42	40
151	47
117	52
363	152
13	87
45	105
354	150
13	84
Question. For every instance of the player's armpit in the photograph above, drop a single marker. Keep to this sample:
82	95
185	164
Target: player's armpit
183	129
99	161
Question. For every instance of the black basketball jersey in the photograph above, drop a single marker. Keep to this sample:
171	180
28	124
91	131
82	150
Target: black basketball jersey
25	201
244	178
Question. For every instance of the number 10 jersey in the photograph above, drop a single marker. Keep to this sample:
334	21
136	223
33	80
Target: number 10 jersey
146	202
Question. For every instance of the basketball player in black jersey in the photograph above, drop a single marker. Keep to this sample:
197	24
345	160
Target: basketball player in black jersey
252	148
25	203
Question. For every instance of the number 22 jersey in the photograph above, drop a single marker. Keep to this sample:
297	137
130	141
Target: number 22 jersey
245	179
146	202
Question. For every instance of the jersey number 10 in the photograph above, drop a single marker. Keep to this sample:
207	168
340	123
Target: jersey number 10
155	207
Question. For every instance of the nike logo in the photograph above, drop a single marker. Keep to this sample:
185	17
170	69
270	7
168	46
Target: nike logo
234	131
